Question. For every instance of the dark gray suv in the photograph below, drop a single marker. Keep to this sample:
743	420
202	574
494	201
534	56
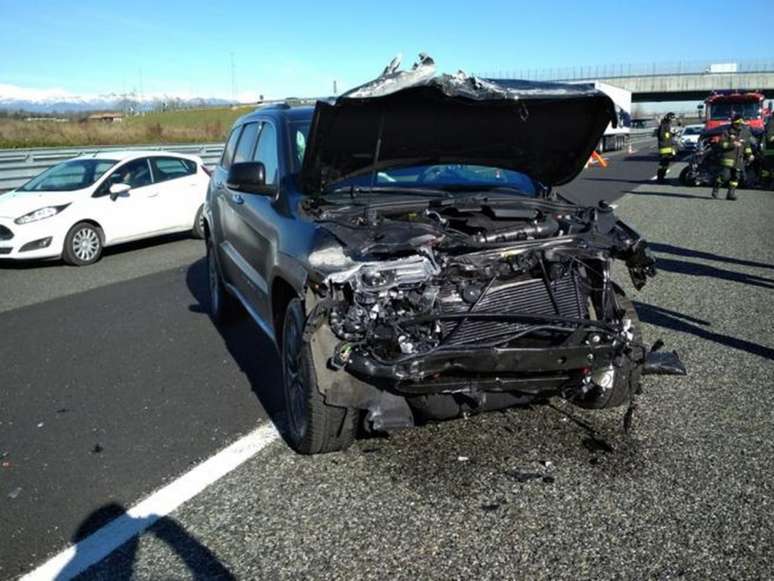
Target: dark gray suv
406	249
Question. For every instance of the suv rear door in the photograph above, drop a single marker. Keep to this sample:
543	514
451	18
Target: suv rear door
248	225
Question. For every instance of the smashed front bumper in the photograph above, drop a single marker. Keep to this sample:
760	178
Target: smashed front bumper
487	362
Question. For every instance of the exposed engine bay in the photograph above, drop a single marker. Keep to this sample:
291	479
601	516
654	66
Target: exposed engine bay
489	295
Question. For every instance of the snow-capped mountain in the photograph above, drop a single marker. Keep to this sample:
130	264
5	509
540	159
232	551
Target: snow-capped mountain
14	98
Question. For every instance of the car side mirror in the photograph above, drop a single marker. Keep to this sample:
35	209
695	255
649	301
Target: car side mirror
117	190
249	177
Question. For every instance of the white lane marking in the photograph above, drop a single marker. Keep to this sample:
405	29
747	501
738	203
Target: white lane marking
100	544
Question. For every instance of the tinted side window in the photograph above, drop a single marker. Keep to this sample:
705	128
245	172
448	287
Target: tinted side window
244	151
266	153
170	168
228	151
135	174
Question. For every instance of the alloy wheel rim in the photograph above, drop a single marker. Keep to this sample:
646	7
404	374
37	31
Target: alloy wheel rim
294	383
85	244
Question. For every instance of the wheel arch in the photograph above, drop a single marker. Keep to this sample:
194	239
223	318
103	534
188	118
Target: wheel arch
282	292
94	223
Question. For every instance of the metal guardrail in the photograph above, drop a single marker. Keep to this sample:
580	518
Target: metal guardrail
17	166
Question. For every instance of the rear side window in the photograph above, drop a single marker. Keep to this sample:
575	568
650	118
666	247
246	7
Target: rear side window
266	153
228	151
170	168
244	151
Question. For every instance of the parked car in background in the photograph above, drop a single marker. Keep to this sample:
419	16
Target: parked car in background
690	137
76	208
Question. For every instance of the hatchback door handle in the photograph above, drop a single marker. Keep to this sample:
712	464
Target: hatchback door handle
237	199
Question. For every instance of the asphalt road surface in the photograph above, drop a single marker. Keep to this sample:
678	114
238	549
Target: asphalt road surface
113	381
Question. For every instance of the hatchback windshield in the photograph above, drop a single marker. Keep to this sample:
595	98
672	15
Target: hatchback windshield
69	176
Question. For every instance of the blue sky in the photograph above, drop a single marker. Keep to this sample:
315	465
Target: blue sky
299	48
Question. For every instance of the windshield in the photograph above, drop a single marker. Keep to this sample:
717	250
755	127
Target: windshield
692	130
748	110
299	131
465	177
69	176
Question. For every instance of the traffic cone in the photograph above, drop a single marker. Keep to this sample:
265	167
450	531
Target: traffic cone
599	158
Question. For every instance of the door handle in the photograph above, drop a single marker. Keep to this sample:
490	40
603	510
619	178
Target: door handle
237	199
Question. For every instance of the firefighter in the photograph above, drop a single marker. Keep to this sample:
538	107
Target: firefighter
767	153
731	154
749	148
666	146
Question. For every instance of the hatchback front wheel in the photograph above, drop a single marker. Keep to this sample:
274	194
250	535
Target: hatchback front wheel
83	244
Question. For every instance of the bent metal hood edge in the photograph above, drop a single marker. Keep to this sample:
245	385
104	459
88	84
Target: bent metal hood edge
545	130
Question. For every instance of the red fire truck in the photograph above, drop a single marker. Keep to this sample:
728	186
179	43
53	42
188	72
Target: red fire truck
721	106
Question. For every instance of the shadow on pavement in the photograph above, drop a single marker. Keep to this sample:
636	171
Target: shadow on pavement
679	251
697	269
706	197
199	560
675	321
252	350
643	157
618	180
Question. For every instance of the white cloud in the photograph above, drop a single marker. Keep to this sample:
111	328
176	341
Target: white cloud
12	92
16	93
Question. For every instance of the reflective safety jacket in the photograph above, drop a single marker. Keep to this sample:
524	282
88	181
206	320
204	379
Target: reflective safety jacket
731	149
748	141
768	138
666	140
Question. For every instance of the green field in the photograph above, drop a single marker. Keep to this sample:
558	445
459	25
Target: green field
183	126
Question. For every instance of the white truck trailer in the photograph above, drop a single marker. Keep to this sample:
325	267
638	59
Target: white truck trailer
617	138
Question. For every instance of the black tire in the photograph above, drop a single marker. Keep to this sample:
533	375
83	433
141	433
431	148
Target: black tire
198	227
313	427
685	177
83	244
628	377
223	307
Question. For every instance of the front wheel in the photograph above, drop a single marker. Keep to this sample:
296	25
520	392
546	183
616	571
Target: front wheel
198	227
313	427
82	245
223	307
686	177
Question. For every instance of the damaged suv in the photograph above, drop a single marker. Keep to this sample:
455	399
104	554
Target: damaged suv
406	249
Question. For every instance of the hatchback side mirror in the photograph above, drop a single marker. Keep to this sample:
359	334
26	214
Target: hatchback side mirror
249	177
117	190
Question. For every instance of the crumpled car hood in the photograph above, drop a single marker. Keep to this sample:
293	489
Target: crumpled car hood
545	130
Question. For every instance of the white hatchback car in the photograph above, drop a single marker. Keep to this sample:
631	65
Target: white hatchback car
76	208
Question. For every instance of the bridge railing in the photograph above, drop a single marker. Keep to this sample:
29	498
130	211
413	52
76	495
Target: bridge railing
612	71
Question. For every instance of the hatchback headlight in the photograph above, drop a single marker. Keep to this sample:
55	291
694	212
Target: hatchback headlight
41	214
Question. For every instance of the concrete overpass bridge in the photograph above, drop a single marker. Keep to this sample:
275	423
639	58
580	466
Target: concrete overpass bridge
662	82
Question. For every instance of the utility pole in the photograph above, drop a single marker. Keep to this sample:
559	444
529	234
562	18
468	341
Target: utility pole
139	106
233	78
335	91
